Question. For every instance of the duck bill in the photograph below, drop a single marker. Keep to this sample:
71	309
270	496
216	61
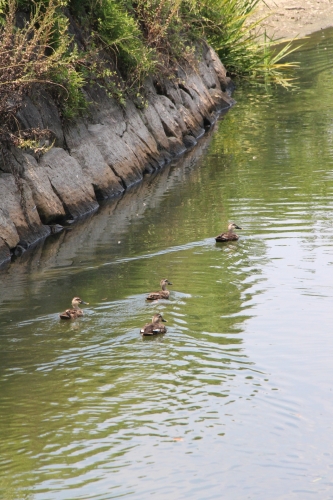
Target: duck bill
237	227
85	303
164	320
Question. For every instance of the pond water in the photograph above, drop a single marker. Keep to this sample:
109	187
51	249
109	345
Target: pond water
236	400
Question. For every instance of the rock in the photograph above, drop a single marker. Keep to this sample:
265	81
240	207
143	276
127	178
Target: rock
68	182
172	91
39	111
193	126
21	247
50	116
29	116
103	179
83	148
215	65
154	124
19	212
221	99
190	141
56	228
196	88
176	147
135	125
8	231
116	154
4	252
11	161
167	112
190	104
208	75
48	204
105	110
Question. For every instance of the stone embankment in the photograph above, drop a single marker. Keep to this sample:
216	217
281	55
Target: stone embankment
102	155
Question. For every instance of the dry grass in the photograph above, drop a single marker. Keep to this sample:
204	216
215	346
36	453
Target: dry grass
28	55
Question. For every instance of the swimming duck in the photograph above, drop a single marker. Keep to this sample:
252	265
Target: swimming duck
230	235
155	326
162	294
76	312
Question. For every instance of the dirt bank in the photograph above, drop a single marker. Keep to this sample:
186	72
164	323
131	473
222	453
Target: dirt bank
294	18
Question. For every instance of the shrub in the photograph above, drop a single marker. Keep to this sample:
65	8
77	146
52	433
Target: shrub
36	54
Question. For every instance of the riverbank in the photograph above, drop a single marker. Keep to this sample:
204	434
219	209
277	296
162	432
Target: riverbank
288	19
116	143
106	152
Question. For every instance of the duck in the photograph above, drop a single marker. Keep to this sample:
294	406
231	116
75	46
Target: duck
229	235
163	293
155	326
76	312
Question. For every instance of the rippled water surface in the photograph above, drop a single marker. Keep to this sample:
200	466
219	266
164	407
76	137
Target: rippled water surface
236	400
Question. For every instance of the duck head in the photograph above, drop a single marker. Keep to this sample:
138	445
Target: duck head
76	301
233	226
164	283
157	318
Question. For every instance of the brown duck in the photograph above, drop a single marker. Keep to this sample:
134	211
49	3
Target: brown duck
229	235
163	293
155	326
76	312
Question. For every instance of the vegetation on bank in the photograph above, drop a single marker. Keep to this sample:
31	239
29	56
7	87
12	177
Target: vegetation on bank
68	44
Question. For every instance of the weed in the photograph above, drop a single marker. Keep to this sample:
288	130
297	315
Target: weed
36	54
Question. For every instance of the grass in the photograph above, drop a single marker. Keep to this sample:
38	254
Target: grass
123	42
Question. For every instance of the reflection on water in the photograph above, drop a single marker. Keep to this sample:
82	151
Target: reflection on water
237	397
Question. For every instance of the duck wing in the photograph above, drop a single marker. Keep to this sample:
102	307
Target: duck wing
159	328
71	314
222	237
162	294
153	329
147	329
66	314
226	237
154	296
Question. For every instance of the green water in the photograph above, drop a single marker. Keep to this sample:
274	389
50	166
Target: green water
235	401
